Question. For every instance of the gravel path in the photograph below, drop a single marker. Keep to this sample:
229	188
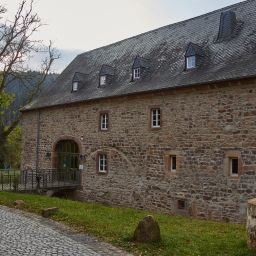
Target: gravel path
25	234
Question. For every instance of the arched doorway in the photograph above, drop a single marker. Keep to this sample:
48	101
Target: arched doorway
67	153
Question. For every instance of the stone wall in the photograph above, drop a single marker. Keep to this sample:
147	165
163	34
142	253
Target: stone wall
203	125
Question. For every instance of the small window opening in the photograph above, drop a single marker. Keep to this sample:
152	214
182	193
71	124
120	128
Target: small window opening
104	121
173	164
103	80
191	62
181	204
233	165
155	118
136	73
75	86
102	163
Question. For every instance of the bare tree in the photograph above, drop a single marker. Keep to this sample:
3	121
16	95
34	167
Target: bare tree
16	48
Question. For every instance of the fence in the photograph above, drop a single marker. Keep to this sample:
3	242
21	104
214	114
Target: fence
45	179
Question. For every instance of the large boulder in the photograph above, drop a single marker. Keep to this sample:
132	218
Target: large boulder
147	231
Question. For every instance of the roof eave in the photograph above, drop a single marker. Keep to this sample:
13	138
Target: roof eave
142	92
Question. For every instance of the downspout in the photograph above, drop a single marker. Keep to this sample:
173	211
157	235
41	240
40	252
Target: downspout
38	139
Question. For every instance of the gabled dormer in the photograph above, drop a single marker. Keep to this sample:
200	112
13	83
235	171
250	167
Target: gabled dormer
106	76
227	27
193	56
140	68
78	80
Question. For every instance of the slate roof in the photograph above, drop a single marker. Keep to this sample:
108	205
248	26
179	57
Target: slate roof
165	48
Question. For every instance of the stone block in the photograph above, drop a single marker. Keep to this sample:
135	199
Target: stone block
251	224
19	203
147	231
47	212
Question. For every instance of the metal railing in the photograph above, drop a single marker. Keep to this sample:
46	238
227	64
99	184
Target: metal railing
29	180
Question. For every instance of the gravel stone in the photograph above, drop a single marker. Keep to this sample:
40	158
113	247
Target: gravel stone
30	235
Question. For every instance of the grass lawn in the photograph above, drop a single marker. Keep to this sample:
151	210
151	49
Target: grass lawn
180	236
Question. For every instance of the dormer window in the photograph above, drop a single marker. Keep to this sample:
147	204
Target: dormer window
140	68
191	62
79	80
103	80
136	73
193	56
106	76
75	86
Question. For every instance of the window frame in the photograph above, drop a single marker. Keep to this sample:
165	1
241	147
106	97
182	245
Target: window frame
75	86
231	173
168	162
158	119
172	170
101	114
229	155
136	73
190	65
105	80
103	171
181	204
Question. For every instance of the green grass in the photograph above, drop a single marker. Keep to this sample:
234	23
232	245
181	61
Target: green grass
180	236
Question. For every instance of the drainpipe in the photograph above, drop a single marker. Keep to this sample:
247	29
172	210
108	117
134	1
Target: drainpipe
38	139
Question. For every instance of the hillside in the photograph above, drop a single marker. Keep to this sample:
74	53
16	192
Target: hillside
21	89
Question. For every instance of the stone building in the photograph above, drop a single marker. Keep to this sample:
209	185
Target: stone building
165	120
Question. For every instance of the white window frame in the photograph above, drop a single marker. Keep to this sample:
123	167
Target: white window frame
155	118
171	163
104	121
75	86
102	164
191	62
103	80
232	174
136	73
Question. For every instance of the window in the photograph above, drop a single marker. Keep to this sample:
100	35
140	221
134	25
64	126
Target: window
136	73
102	163
104	121
190	62
155	118
173	165
75	86
103	80
172	160
233	166
181	204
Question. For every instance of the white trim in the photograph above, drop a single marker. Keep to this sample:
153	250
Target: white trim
136	73
156	118
191	62
102	163
103	80
75	86
104	121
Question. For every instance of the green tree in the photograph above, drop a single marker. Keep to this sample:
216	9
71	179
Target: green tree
12	154
16	47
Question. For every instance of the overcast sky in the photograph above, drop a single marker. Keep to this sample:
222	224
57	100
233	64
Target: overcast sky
80	25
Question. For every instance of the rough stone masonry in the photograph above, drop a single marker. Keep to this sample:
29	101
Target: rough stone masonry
203	126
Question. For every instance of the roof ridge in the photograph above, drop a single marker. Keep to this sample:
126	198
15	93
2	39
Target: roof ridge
169	25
